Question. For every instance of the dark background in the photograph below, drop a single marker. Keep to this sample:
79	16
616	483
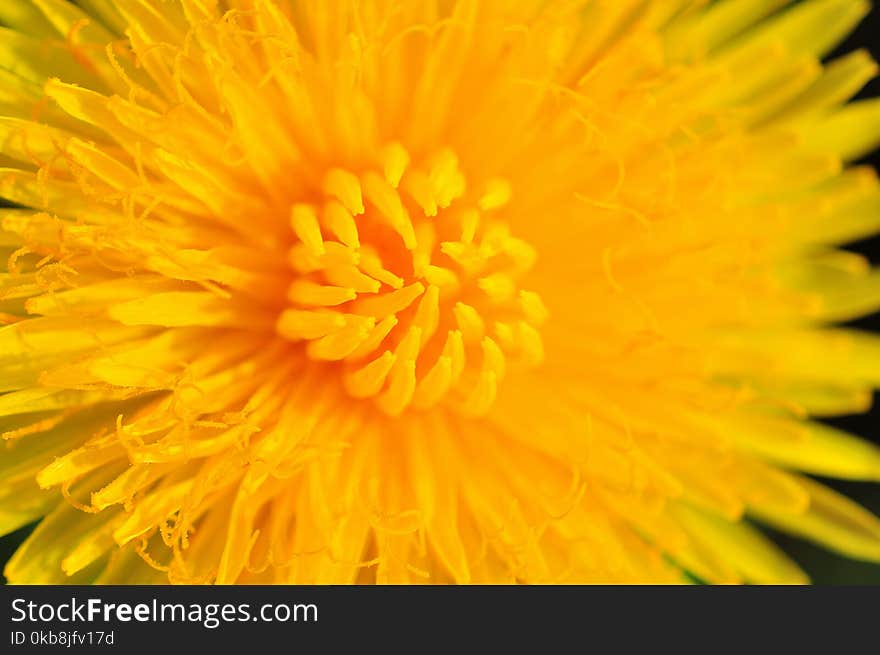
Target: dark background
822	566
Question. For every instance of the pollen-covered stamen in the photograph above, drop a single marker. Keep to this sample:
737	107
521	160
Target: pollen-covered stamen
408	277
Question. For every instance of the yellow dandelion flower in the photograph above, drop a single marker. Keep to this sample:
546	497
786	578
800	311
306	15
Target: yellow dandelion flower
308	291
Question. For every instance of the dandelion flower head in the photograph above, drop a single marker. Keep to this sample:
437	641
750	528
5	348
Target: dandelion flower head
465	291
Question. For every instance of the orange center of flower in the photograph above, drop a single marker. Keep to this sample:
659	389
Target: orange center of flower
409	279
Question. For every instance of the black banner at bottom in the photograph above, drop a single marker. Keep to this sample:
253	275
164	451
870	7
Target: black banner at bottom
544	619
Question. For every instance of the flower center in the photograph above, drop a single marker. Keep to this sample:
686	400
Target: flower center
409	279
